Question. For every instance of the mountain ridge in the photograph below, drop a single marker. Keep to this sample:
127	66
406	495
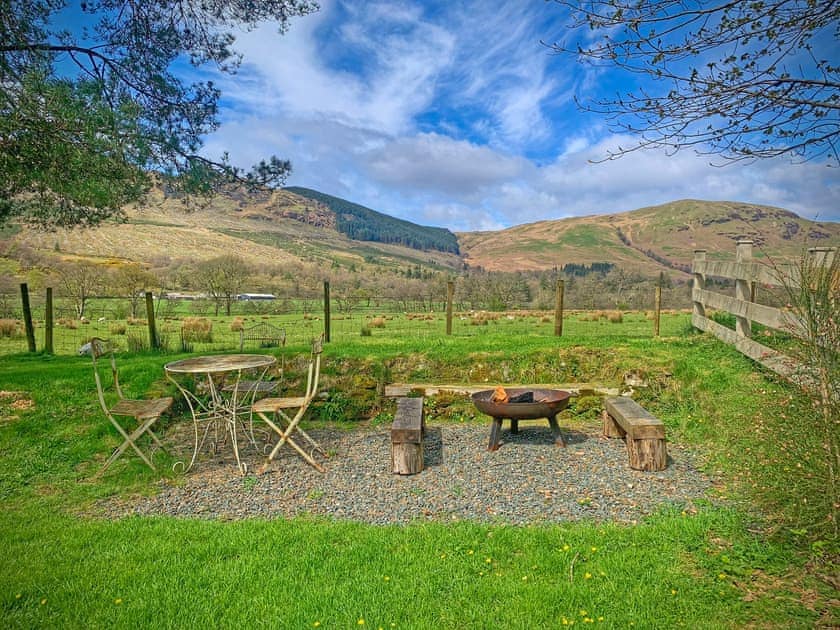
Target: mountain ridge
290	231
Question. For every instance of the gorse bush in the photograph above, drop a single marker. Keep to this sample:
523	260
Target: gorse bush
9	328
197	329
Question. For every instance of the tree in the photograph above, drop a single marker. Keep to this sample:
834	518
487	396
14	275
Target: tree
80	281
223	278
742	80
131	281
86	115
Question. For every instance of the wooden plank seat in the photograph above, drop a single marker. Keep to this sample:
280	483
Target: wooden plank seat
407	433
643	433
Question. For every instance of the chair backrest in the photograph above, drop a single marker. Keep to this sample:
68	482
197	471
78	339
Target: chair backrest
314	367
98	347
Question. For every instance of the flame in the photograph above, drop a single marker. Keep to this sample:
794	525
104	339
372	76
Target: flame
499	395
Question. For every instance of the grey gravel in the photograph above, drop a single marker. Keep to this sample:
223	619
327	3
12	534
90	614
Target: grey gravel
528	480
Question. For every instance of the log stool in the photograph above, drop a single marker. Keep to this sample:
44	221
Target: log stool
643	433
407	433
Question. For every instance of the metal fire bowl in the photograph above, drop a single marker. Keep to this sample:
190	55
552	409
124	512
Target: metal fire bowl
552	402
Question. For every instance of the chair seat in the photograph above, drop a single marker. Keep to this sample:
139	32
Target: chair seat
267	405
141	409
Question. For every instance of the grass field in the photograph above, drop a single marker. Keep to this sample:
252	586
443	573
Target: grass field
757	553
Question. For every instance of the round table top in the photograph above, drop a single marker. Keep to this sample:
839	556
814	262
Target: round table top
220	363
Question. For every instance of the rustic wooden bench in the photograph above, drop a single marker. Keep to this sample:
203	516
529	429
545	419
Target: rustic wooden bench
407	433
643	433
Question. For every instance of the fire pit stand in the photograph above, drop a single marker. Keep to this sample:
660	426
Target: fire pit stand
547	404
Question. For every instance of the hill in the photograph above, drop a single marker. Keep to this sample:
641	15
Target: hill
297	233
279	228
647	240
363	224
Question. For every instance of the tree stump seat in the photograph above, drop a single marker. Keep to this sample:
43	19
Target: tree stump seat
643	433
407	433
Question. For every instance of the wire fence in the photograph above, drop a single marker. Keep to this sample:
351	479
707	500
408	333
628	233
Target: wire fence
202	325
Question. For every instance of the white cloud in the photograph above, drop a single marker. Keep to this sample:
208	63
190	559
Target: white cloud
455	115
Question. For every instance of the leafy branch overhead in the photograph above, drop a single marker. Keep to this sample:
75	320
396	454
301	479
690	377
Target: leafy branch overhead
87	113
742	80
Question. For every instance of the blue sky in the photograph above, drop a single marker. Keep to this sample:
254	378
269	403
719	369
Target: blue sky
454	114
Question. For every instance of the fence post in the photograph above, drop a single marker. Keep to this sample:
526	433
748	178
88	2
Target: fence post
48	322
558	308
698	284
657	306
27	317
450	292
743	254
154	342
326	311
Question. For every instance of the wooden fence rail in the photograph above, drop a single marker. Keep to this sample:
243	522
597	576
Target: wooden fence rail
746	274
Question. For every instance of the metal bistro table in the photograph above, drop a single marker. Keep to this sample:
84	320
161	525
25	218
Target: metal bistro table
216	409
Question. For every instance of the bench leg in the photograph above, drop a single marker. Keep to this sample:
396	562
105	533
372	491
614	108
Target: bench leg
495	434
514	426
647	454
555	430
611	428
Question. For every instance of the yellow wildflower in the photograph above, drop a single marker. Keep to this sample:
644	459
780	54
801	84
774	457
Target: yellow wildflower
118	601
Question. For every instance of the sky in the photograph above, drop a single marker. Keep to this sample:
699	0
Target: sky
454	114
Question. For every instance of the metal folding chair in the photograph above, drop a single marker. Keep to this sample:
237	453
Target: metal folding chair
145	412
283	415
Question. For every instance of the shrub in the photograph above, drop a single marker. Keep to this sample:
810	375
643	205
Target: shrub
136	343
198	329
117	329
9	328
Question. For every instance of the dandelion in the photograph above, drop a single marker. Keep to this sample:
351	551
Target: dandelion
600	618
43	601
470	552
673	591
442	556
360	622
566	547
317	624
118	601
18	595
721	576
587	575
594	549
387	578
583	613
524	578
488	560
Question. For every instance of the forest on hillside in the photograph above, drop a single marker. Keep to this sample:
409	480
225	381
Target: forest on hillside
363	224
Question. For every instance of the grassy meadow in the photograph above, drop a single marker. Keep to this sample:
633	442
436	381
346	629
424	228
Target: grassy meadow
756	552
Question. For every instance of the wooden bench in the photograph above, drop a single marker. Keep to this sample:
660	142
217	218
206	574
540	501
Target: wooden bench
643	433
407	433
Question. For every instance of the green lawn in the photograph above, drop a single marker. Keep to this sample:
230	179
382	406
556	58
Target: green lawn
757	552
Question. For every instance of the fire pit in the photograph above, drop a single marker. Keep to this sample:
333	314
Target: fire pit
522	404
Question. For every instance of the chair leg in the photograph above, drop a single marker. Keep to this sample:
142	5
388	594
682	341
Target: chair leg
129	441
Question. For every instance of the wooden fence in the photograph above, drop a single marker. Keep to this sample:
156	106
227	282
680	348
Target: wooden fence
746	273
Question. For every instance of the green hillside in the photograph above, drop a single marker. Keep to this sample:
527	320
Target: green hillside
363	224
